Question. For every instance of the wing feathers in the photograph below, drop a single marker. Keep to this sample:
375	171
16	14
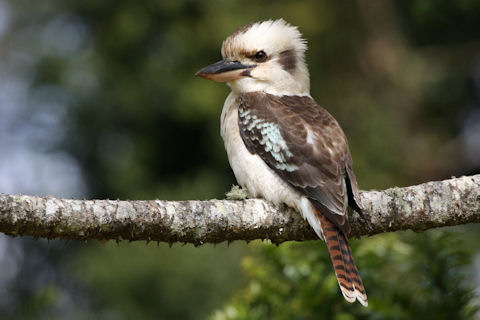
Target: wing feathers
305	146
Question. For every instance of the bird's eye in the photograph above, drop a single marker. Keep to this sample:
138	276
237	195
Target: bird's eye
260	56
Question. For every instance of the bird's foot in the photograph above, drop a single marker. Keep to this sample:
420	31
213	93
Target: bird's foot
237	193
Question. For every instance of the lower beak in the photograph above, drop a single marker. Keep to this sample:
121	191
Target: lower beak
225	71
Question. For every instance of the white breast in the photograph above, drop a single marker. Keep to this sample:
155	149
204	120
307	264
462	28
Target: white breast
253	174
250	170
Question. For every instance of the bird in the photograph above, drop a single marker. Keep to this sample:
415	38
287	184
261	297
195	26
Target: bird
281	145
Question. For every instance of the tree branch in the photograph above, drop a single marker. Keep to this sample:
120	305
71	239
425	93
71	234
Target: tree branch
429	205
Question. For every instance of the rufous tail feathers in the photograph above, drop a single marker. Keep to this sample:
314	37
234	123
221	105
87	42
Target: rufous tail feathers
341	255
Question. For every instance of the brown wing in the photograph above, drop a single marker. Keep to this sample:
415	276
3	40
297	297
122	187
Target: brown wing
304	145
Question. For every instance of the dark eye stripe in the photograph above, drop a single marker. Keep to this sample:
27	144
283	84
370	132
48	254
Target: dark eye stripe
288	60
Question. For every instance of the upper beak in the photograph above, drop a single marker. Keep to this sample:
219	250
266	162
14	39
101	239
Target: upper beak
225	71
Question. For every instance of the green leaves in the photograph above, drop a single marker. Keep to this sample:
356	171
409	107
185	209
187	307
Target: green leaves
407	276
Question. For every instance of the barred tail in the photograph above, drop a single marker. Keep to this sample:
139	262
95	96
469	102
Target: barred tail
341	255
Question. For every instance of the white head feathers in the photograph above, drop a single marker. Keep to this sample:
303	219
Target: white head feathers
283	71
275	35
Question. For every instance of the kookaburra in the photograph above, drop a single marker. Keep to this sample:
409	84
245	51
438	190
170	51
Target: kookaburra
281	145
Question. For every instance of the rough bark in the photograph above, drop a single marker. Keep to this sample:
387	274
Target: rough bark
434	204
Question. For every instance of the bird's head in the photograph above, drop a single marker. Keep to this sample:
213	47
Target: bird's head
264	56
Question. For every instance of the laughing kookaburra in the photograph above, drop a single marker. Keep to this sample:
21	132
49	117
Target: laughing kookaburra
281	145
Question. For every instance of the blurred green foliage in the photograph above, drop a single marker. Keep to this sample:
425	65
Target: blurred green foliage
409	276
147	282
398	75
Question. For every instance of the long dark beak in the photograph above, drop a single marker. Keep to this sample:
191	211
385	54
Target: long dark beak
224	71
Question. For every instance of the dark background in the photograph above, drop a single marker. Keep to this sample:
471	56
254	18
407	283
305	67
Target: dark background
98	100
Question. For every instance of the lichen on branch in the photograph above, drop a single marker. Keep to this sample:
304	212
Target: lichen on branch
433	204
